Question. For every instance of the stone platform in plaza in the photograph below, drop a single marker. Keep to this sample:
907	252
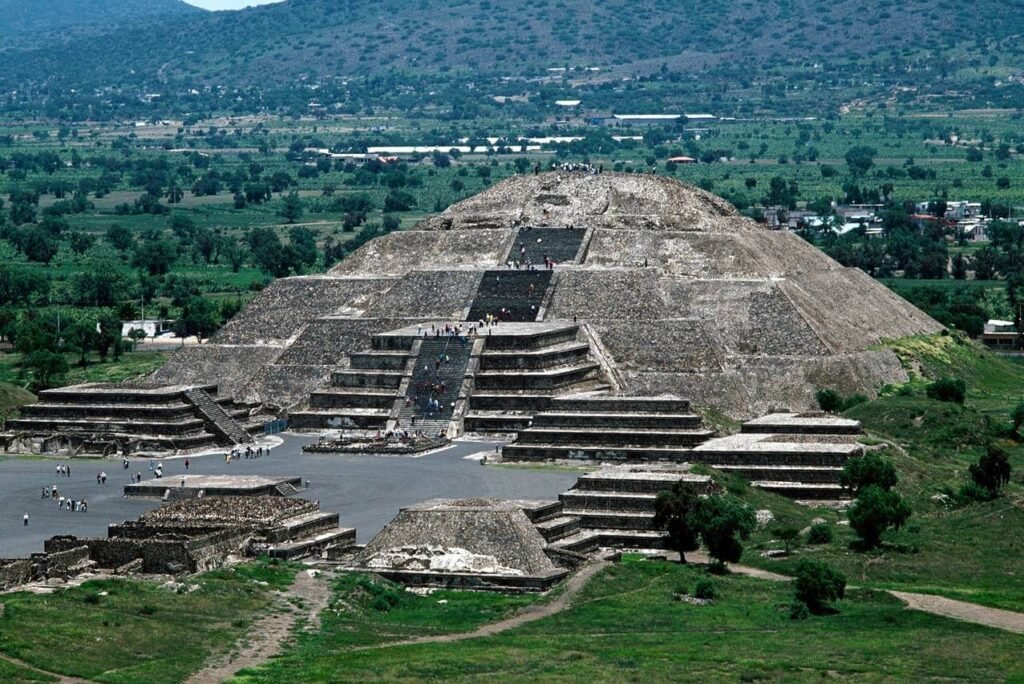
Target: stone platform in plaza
188	486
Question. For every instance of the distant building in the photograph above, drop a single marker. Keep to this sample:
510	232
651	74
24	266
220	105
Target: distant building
1000	335
151	326
682	160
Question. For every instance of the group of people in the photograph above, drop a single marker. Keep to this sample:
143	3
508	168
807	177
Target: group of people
236	454
63	503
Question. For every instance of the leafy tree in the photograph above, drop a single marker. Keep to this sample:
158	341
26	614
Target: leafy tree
398	200
722	522
816	585
788	534
199	317
120	237
155	256
303	242
37	245
860	159
829	400
1018	418
673	511
291	212
992	470
81	336
867	470
875	511
108	337
48	368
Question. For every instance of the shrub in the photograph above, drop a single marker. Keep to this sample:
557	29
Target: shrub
869	469
723	521
875	511
953	390
992	471
829	400
816	585
798	610
820	533
972	491
788	534
705	589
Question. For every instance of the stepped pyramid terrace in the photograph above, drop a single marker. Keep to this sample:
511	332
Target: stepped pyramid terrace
592	316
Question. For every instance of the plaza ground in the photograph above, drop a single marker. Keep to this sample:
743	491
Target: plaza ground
366	491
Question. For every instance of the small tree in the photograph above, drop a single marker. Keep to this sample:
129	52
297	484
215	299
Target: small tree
875	511
722	522
992	470
816	585
820	533
788	535
673	510
829	400
869	469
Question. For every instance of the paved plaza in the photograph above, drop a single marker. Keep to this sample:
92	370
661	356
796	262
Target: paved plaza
366	490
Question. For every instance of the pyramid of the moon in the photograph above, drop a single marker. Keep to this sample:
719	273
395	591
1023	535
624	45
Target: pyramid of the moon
678	294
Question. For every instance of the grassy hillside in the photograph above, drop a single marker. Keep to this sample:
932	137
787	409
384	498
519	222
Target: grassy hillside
24	20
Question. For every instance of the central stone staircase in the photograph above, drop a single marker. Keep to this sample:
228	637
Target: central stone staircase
533	245
511	295
442	361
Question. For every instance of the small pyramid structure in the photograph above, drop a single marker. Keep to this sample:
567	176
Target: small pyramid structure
677	294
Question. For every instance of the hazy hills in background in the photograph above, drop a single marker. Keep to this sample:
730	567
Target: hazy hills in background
168	45
25	21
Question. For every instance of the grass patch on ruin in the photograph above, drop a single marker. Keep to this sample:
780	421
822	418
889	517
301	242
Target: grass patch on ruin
366	610
131	365
627	625
128	631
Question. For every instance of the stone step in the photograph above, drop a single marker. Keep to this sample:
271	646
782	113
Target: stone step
615	520
518	292
583	541
182	428
607	502
784	473
304	526
803	490
533	359
379	360
616	404
353	398
368	378
552	334
169	412
558	528
497	421
561	245
216	419
587	452
553	378
613	438
640	483
308	546
645	421
771	457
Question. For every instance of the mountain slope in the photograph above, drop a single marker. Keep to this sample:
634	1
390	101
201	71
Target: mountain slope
26	19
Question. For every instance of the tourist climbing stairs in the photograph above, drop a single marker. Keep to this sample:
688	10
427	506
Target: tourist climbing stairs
534	245
439	373
216	419
510	295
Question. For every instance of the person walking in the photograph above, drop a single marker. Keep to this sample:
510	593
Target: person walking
186	464
25	520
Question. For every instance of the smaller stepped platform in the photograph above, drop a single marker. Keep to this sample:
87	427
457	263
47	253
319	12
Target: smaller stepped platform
615	506
603	428
129	418
523	368
800	456
814	423
198	486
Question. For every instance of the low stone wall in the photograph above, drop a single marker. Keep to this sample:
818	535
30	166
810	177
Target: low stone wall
14	573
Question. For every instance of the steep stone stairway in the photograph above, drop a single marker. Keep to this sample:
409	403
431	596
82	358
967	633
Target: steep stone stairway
623	429
216	419
510	295
438	374
533	245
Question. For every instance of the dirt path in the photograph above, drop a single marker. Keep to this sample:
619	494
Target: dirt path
996	618
267	635
529	614
59	677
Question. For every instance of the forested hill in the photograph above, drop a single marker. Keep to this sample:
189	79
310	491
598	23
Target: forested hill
24	21
316	38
